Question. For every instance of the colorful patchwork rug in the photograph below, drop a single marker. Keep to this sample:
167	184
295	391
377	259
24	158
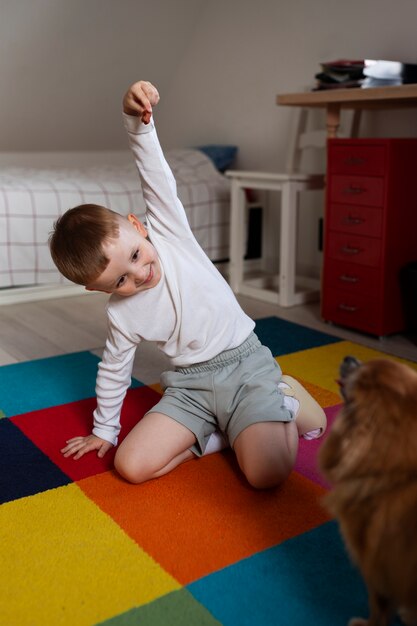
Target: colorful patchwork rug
197	547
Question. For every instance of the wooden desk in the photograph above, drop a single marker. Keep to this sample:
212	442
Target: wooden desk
333	100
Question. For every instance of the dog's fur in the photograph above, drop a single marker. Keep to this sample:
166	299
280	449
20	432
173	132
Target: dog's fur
370	458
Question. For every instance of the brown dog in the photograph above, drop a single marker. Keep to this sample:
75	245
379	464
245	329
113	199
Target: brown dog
370	457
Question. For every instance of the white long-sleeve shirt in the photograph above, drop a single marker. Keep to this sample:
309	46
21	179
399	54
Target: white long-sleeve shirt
192	314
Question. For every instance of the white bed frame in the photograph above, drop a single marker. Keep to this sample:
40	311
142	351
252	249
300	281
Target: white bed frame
17	295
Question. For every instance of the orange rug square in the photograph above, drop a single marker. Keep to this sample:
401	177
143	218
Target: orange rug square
204	516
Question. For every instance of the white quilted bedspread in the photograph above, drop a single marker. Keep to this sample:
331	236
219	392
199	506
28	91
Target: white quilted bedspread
32	197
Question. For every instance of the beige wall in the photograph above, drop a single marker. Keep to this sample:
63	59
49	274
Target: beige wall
219	64
242	53
64	65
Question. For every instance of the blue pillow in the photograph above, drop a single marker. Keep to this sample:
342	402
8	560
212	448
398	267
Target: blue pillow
222	156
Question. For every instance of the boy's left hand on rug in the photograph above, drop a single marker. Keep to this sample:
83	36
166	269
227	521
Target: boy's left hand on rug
78	446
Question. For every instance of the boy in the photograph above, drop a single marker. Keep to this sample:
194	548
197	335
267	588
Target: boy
165	289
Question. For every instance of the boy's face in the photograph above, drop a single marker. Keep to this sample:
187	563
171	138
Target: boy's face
133	261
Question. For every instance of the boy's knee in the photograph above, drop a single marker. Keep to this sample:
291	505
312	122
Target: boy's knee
266	453
130	469
267	477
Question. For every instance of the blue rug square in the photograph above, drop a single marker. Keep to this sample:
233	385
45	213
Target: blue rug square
284	337
306	580
24	469
39	384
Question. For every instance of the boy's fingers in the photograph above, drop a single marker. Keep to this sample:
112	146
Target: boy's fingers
139	100
73	446
70	451
69	448
103	451
74	439
151	92
146	93
138	106
140	96
88	447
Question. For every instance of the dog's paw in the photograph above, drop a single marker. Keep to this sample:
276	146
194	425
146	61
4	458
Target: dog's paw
358	621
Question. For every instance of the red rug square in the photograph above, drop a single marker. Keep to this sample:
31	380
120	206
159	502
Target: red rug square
50	428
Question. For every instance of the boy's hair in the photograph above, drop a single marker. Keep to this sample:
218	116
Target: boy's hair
76	243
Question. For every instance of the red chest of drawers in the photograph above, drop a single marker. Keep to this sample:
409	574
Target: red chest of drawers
370	231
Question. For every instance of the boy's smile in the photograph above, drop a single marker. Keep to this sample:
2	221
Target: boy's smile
133	261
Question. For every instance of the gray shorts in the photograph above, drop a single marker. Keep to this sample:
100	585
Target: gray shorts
235	389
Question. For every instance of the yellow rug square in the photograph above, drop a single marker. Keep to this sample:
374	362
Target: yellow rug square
320	366
63	561
324	397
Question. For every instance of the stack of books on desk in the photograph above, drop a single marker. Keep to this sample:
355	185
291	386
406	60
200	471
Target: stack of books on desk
340	74
345	73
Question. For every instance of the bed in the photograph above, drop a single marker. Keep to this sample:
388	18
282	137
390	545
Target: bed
35	188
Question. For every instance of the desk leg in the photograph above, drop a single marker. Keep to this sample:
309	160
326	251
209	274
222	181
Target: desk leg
237	235
332	119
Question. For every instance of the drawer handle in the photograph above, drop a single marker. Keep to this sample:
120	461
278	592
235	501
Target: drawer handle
353	220
345	278
348	308
354	161
350	250
353	190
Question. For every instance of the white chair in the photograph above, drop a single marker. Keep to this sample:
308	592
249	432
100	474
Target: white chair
286	289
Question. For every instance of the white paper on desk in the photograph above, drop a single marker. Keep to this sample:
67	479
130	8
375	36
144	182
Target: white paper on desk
386	70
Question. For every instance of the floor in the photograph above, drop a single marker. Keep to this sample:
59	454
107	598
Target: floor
51	327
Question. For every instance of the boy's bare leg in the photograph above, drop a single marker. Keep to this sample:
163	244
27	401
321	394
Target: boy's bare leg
266	452
155	446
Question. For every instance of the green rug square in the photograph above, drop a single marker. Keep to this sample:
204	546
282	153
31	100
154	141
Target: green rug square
178	608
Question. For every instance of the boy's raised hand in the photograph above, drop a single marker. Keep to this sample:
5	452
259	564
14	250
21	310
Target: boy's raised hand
139	100
78	446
